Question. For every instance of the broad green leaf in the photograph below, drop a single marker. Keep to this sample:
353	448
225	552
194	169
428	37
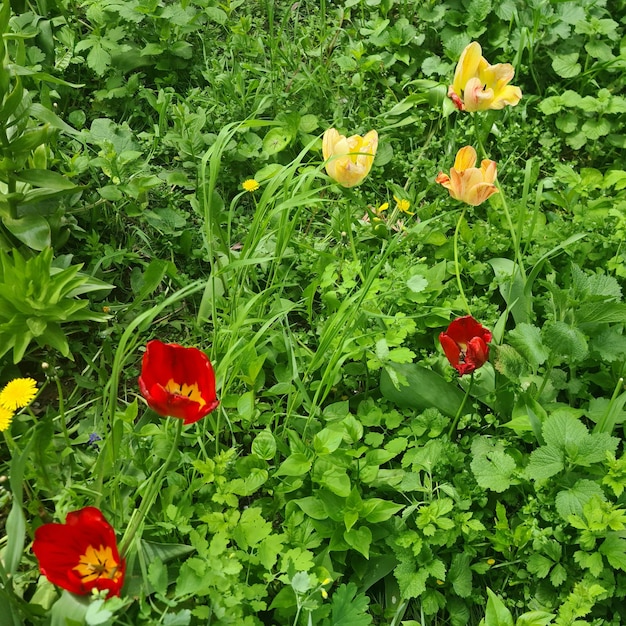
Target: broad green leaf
526	339
544	463
614	548
425	389
312	507
264	445
69	610
45	178
359	539
496	613
33	230
276	140
535	618
571	501
565	340
460	575
491	465
566	65
296	464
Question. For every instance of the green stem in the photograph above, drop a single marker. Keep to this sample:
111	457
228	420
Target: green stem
457	268
147	501
62	410
460	411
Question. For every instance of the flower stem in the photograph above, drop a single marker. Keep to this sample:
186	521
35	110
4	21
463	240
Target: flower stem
460	411
457	268
147	501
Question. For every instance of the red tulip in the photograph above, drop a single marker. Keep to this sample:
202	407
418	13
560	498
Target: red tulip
465	344
177	381
81	554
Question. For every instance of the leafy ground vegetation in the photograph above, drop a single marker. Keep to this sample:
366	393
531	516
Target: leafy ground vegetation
163	183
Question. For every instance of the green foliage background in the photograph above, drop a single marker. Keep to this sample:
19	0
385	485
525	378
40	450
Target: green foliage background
333	486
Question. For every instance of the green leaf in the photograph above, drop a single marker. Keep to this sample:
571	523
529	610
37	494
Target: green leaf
424	389
526	339
349	608
614	548
565	340
544	463
566	65
491	465
359	539
69	610
157	576
264	445
571	501
460	575
276	140
496	613
45	178
534	618
33	230
295	464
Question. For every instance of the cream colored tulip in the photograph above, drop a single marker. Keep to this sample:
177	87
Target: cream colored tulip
469	184
478	86
349	159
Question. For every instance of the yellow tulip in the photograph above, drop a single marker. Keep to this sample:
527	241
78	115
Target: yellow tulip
478	86
467	183
349	159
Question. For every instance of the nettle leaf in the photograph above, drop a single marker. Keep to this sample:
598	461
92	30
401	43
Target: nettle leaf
571	501
562	430
526	339
565	340
492	467
610	345
544	463
600	286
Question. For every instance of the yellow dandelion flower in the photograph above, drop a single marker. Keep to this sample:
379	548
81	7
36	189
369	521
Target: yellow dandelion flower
18	393
5	418
250	185
403	205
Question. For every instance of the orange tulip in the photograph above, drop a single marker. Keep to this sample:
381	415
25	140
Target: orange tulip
349	159
479	86
467	183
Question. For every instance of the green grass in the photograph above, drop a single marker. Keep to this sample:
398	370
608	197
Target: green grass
349	476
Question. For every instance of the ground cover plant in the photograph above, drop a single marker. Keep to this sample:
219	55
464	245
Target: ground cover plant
312	313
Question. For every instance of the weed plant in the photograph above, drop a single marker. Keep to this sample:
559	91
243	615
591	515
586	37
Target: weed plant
421	387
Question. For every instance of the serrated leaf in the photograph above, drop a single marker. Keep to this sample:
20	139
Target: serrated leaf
492	467
539	565
349	608
526	339
571	501
614	548
565	340
544	463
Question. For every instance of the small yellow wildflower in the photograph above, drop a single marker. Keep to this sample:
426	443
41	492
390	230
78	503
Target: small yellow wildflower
491	561
5	418
18	393
383	207
250	185
403	205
